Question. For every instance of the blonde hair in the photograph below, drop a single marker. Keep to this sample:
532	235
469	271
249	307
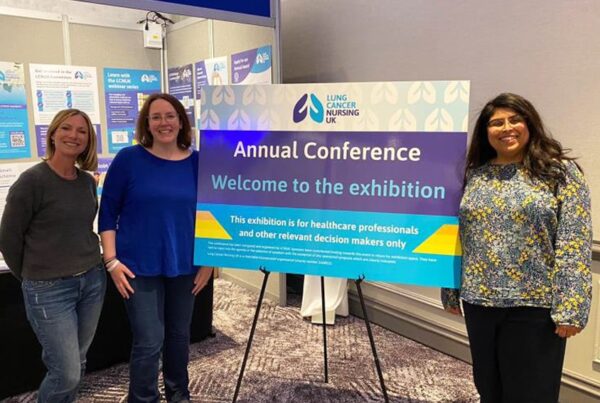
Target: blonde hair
88	159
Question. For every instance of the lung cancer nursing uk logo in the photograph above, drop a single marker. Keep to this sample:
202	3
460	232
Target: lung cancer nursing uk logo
303	108
336	105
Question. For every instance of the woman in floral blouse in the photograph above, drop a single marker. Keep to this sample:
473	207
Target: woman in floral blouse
526	234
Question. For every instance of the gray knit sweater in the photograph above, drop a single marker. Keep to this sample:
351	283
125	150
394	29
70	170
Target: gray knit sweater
47	225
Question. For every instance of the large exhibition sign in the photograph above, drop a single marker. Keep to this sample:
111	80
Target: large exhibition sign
343	180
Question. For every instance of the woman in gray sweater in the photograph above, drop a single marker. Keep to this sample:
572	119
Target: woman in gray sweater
47	240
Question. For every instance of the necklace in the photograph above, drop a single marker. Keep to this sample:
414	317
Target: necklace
68	177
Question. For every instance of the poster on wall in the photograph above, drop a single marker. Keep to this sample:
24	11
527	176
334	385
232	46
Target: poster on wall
125	91
181	86
208	72
99	176
9	173
342	180
100	173
200	77
57	87
200	80
252	66
14	124
217	70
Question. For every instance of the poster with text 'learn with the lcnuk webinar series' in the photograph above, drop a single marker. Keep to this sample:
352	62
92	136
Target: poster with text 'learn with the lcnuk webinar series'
342	180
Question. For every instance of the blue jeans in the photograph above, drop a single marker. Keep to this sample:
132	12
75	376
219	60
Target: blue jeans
64	314
160	315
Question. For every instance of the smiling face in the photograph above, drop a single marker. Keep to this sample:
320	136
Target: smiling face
163	122
71	137
508	135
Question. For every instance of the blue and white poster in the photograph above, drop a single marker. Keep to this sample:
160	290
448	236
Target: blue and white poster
200	80
181	86
208	72
99	176
125	91
100	173
200	77
57	87
342	180
217	70
14	125
252	66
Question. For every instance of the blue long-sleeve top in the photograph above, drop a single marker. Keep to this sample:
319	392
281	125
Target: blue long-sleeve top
151	204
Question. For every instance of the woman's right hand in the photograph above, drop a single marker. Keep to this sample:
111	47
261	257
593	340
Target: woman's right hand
120	276
451	300
453	310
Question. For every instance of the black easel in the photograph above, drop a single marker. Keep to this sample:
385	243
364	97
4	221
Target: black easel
260	298
362	303
364	309
258	305
324	328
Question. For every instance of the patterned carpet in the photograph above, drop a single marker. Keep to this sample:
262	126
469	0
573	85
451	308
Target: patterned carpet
286	361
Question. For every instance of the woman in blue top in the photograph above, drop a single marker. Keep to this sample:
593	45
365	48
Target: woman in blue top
146	224
525	228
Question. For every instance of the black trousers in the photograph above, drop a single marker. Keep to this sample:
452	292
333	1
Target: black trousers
517	357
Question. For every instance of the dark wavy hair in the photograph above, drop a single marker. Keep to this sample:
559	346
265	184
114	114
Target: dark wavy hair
544	155
142	128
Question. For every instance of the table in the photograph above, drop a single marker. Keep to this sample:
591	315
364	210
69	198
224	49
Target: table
21	367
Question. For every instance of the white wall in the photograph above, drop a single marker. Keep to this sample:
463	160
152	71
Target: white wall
78	9
545	50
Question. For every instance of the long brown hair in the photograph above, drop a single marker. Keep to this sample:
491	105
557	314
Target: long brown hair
544	155
142	129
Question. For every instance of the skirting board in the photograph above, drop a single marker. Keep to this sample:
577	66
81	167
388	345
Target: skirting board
427	333
573	389
249	286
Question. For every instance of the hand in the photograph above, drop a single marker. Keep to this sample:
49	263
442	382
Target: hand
453	310
119	276
201	279
566	331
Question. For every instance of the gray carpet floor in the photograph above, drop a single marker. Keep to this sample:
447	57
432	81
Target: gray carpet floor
286	361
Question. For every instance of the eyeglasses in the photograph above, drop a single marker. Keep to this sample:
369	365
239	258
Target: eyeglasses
169	117
513	121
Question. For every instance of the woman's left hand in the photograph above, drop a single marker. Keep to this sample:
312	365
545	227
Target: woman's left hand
201	279
566	331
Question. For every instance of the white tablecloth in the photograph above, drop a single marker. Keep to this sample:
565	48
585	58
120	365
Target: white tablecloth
336	298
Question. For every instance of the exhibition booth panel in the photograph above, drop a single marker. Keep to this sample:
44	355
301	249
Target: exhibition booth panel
104	61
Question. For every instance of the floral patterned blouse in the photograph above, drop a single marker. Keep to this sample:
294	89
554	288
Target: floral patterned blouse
526	242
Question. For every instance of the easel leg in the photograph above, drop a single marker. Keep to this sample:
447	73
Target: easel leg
364	309
260	299
324	328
